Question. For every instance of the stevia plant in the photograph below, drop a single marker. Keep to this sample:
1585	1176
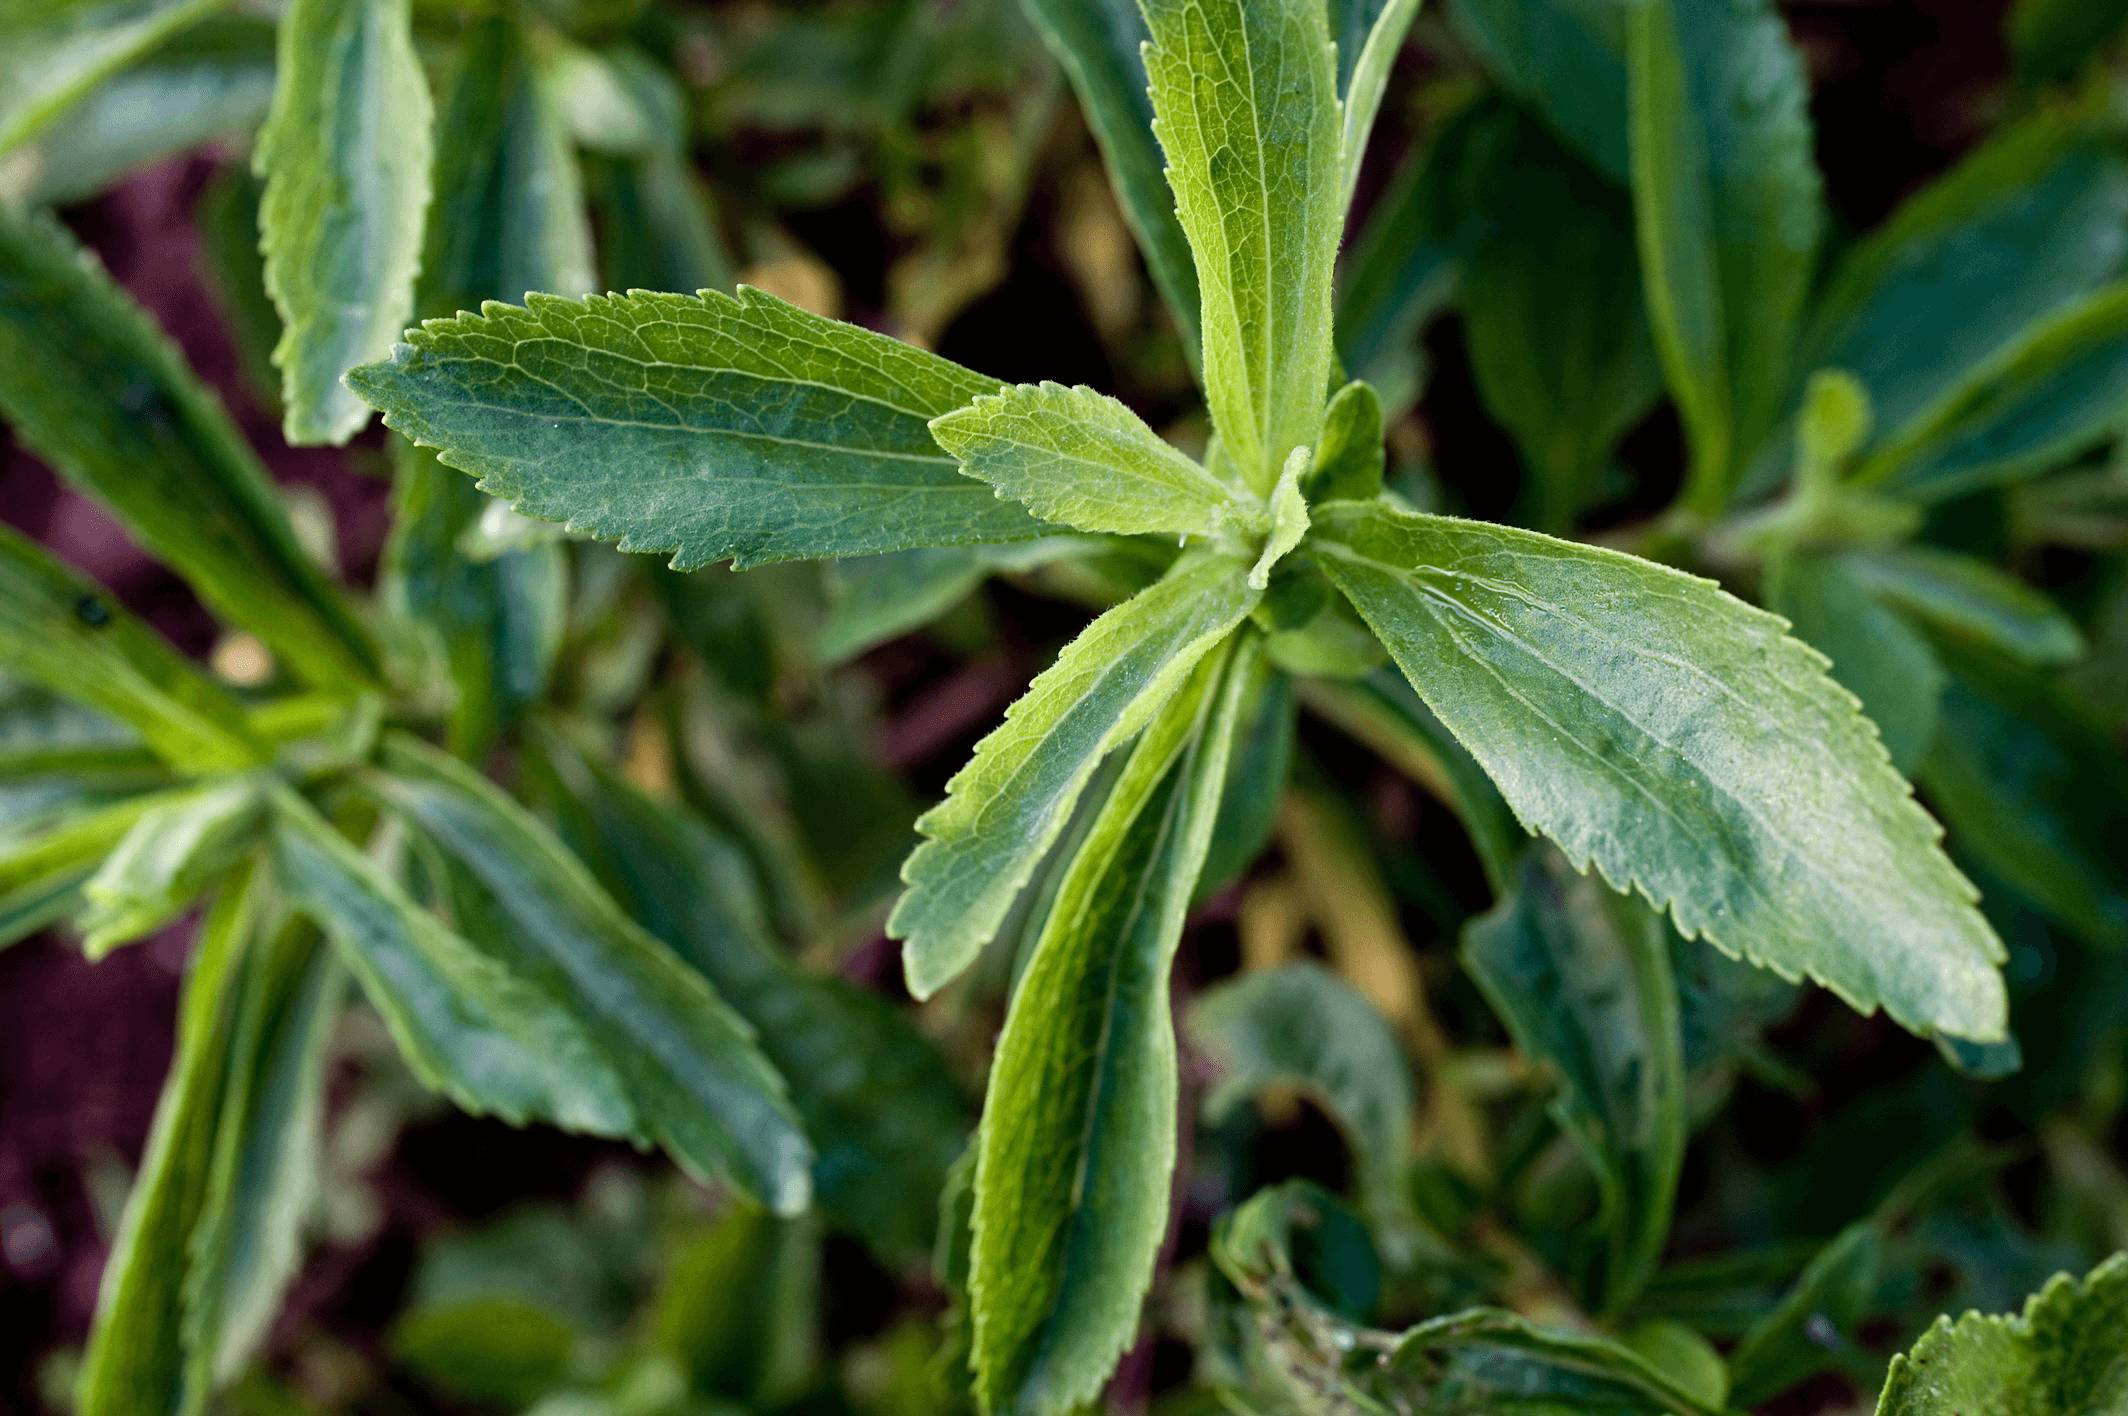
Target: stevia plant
1615	200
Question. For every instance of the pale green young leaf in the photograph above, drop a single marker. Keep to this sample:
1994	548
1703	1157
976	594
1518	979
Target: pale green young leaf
1100	44
59	50
708	427
1876	655
2036	791
494	1043
345	158
68	634
46	860
1730	210
1079	1126
1013	798
1289	518
1368	34
1349	458
1675	737
1581	977
1082	459
1245	104
694	1074
212	82
1301	1026
96	390
135	1364
2038	402
169	856
268	1151
2011	240
2061	1354
885	1115
1972	600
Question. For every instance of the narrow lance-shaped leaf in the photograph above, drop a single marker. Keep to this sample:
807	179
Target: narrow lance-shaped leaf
57	50
268	1152
1676	738
69	635
1368	34
171	854
1078	1135
2061	1354
1081	458
134	1364
1012	800
1788	1344
1567	60
1970	599
1100	43
1245	100
694	1074
1730	211
44	863
94	388
345	155
883	1111
709	427
1582	979
491	1041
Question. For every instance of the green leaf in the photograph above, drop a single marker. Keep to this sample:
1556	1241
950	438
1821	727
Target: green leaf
1797	1339
1099	43
1567	60
1930	306
213	81
1011	801
1554	319
2036	404
1730	212
1488	1362
68	634
1349	458
268	1151
1382	712
1672	735
172	853
877	598
96	390
2036	792
1970	599
508	216
1289	519
1582	979
2051	40
44	862
657	224
1401	271
345	158
1258	771
710	427
2061	1354
135	1363
1245	106
1876	655
1301	1026
696	1078
1079	1126
59	50
1368	34
493	1042
1081	458
887	1119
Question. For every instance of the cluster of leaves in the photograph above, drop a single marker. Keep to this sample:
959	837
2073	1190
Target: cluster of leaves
1619	200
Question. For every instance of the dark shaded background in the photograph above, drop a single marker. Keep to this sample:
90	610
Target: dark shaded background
1900	86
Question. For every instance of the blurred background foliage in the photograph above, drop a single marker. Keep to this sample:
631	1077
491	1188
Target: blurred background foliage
922	166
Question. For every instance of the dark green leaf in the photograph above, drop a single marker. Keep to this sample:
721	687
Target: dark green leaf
1876	655
1814	1320
1730	211
1669	733
1972	599
58	50
1078	1136
696	1079
1581	977
94	388
1565	58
